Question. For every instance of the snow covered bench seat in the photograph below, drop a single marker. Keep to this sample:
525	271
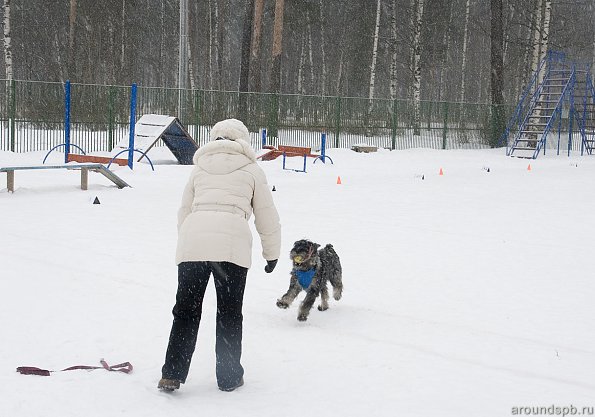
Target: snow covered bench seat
84	168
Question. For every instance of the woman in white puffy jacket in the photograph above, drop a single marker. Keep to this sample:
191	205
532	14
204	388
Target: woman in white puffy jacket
225	188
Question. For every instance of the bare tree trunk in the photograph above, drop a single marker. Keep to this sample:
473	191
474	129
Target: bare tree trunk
374	58
211	37
417	69
217	46
339	74
71	38
245	60
393	49
275	82
189	52
275	85
300	81
412	24
123	40
445	58
161	46
246	40
322	43
255	75
536	36
497	71
464	63
545	33
310	57
7	42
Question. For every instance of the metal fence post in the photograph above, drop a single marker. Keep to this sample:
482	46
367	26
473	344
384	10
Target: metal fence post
394	126
12	114
110	121
197	115
132	123
337	121
445	126
66	120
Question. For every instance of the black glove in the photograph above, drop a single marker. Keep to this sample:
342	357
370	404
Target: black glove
270	266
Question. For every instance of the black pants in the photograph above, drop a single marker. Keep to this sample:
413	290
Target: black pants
230	281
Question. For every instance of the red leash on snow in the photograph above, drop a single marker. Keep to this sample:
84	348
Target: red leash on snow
125	367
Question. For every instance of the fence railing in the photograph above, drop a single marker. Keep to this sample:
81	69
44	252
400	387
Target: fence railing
32	117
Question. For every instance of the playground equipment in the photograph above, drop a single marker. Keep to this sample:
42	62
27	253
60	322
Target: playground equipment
84	168
285	151
559	92
84	158
152	127
143	135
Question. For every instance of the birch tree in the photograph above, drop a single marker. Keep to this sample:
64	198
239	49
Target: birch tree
374	58
497	71
536	35
417	68
446	41
323	58
464	62
393	49
71	38
7	42
545	33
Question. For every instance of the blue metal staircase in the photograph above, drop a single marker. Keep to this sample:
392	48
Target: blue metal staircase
563	100
540	107
585	111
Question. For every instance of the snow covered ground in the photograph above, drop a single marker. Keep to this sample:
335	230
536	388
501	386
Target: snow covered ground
466	294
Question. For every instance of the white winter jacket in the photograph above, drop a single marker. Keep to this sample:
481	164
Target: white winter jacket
225	188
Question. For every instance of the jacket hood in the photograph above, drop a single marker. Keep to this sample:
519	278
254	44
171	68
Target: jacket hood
224	156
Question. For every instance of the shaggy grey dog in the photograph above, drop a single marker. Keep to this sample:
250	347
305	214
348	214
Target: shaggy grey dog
312	269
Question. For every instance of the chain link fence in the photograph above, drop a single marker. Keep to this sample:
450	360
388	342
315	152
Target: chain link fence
32	117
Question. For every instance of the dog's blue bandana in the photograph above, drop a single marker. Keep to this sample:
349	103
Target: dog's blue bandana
305	277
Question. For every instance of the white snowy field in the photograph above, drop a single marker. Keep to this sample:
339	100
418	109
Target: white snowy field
466	294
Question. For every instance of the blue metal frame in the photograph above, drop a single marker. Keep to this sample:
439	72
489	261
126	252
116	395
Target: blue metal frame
323	156
131	152
132	125
63	144
589	95
66	120
291	169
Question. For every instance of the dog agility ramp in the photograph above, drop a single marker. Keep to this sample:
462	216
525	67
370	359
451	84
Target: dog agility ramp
152	127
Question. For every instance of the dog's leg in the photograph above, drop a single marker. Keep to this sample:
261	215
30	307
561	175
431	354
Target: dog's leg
323	299
294	289
307	304
337	283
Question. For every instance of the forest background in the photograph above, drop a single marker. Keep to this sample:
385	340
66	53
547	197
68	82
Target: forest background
440	50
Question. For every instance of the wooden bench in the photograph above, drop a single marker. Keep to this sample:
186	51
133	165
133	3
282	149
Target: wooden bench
288	151
84	168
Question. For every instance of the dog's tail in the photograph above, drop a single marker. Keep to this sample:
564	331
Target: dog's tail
329	247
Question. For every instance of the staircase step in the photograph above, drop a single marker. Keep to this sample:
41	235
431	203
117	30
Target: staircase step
521	148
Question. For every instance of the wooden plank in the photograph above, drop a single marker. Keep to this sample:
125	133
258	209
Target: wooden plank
10	181
84	178
73	157
85	168
120	183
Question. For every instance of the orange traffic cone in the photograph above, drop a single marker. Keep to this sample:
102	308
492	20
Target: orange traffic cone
441	172
339	180
529	167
